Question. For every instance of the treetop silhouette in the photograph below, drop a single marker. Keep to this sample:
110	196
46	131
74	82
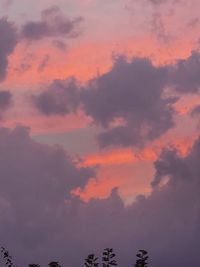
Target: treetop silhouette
91	261
142	258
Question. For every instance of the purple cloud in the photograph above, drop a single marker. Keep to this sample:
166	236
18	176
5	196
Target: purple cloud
36	181
53	23
5	101
158	28
40	221
61	97
153	2
8	42
185	74
161	2
196	110
61	45
44	62
133	92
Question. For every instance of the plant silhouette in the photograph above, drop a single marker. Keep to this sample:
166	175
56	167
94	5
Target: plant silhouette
108	258
91	261
142	258
54	264
6	257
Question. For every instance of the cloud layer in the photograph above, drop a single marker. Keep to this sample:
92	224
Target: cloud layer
129	102
132	104
133	92
62	97
9	39
5	101
53	23
185	74
42	221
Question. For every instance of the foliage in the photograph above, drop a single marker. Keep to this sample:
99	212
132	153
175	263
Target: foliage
108	258
6	257
91	261
54	264
142	258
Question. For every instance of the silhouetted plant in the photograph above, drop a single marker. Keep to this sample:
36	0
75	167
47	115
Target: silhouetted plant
91	261
54	264
34	265
6	257
142	258
108	258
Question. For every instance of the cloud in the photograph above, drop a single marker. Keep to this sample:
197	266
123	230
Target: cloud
53	24
60	45
195	111
129	102
153	2
160	2
158	28
36	181
133	92
185	74
170	164
7	3
44	62
40	220
5	101
60	98
34	165
156	2
9	39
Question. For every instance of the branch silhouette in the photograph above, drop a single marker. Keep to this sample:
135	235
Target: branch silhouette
108	258
142	258
91	261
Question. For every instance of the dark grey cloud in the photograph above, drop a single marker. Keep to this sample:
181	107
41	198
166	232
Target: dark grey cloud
5	101
61	45
133	92
40	221
195	111
36	181
43	63
33	165
185	74
53	23
130	91
170	165
160	2
60	98
152	2
8	41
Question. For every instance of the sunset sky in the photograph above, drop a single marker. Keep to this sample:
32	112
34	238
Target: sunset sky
99	135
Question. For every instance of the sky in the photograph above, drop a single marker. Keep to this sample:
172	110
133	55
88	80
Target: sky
99	130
